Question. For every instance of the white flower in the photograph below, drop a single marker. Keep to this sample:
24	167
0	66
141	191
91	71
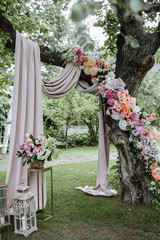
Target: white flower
131	138
158	190
111	75
108	83
48	152
152	183
40	138
136	109
36	141
153	144
139	145
146	157
29	140
115	116
27	135
123	125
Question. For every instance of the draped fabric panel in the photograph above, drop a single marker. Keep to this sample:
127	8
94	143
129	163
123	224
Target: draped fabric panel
27	115
61	86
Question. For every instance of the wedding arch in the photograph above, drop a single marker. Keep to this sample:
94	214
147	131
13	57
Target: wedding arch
27	114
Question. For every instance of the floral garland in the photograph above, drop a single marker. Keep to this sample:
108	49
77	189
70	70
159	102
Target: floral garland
122	108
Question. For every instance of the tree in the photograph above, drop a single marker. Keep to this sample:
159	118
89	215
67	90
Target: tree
74	109
136	47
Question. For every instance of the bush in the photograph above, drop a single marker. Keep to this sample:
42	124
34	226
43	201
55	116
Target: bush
77	140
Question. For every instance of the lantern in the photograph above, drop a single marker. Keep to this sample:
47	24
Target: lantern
4	210
24	211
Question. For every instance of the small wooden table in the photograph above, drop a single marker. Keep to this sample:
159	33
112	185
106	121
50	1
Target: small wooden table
42	171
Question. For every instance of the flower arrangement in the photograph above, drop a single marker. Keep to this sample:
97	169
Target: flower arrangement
37	150
143	136
97	69
122	108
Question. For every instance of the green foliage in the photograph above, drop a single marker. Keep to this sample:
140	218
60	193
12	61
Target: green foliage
148	96
114	177
110	24
132	41
73	109
81	10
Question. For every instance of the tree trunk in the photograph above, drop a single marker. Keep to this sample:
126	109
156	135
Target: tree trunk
92	132
134	187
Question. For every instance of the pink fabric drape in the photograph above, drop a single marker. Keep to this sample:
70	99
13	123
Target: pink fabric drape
27	115
61	86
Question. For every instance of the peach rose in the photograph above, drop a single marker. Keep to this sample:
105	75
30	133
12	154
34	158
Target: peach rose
93	71
87	70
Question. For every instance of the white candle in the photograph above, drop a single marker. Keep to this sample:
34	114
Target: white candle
23	223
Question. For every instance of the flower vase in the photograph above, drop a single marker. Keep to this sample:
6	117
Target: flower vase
40	164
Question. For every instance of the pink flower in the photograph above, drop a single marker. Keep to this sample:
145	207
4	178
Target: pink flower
78	52
30	154
109	94
111	101
108	111
116	94
144	134
134	116
115	110
101	86
21	147
37	149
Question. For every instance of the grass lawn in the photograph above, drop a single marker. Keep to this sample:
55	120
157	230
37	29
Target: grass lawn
78	216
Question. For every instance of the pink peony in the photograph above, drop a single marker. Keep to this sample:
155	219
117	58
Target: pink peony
111	101
109	94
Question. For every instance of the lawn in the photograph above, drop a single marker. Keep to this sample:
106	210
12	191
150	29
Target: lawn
78	216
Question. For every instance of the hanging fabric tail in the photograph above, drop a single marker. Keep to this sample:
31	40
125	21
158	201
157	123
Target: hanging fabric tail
27	116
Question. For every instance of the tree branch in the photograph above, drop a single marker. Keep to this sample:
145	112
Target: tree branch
153	9
47	55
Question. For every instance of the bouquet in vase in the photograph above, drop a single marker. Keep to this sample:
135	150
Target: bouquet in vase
37	150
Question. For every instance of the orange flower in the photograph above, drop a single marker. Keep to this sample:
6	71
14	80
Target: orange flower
106	66
155	171
102	62
152	116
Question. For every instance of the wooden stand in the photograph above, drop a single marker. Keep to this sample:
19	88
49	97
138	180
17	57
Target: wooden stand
42	171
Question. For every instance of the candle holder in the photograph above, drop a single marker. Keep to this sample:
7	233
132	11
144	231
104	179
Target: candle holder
4	209
24	211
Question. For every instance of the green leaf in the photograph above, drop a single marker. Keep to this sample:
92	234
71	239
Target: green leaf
132	41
